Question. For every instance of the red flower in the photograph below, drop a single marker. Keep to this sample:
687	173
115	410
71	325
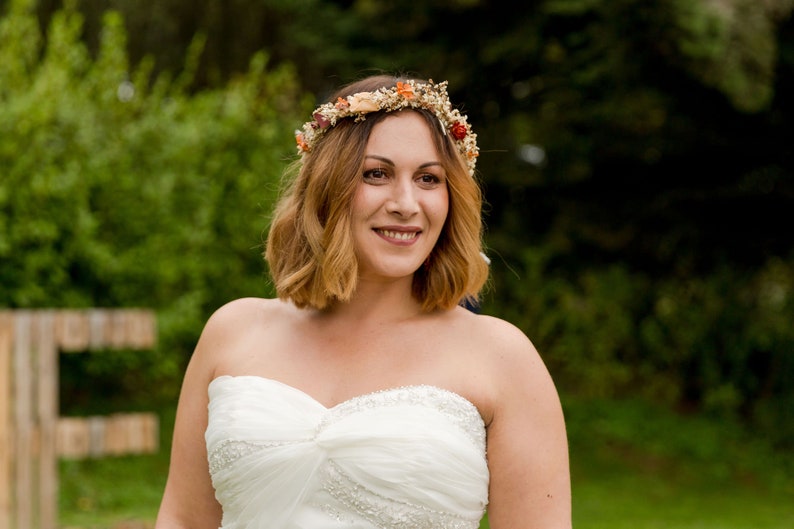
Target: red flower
321	120
458	130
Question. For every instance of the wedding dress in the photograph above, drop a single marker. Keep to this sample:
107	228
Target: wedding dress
410	457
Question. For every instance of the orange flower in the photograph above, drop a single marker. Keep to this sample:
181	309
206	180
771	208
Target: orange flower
405	90
302	145
341	103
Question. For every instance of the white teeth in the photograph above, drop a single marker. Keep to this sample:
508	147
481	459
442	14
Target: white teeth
400	235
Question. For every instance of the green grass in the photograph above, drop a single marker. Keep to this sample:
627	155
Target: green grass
115	492
633	467
111	492
616	490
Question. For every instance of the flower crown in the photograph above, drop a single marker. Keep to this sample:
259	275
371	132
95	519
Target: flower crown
407	94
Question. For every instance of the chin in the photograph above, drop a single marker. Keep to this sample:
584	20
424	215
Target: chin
391	272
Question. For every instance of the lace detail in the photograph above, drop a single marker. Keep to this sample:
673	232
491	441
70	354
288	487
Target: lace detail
227	452
462	412
386	513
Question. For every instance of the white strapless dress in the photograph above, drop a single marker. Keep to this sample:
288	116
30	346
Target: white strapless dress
410	458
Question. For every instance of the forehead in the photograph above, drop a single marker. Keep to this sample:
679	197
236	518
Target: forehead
402	132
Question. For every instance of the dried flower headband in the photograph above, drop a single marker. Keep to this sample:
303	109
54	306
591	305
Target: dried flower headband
408	94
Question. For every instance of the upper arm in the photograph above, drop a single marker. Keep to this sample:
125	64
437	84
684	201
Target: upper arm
189	498
527	442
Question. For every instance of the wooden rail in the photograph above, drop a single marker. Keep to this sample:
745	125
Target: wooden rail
118	434
32	436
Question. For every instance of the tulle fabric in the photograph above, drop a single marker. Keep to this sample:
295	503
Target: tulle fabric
410	457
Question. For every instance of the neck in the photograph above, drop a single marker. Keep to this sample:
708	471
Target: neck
378	302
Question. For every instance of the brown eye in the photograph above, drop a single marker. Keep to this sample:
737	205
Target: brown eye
429	180
374	175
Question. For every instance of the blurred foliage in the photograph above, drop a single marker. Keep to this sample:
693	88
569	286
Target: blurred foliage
119	188
720	344
635	158
653	121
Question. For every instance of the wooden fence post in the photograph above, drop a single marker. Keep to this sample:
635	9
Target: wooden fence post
22	402
6	431
31	433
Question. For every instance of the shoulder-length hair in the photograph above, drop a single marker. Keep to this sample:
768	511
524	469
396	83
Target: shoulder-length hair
309	248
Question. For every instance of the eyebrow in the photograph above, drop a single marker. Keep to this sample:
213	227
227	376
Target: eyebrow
387	161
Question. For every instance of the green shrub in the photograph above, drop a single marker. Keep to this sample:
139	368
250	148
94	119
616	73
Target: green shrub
118	188
721	343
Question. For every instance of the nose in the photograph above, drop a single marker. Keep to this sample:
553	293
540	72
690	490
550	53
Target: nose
403	200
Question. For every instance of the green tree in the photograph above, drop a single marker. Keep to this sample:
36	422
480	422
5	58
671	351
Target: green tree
120	188
655	120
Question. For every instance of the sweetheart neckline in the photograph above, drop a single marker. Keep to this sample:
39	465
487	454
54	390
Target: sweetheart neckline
354	398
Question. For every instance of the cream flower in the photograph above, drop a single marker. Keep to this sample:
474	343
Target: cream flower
362	102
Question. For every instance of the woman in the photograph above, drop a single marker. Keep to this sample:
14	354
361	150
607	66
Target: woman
365	395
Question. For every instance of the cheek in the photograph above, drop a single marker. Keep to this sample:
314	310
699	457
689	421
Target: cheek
361	204
441	207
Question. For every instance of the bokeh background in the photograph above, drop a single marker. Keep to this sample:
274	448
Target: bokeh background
637	161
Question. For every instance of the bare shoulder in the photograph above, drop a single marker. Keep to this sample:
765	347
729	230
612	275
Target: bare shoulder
241	311
508	369
505	333
244	315
501	346
235	325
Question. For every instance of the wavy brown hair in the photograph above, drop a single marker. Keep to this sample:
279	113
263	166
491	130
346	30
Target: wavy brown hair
310	248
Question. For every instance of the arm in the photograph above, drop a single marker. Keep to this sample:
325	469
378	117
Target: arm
527	443
189	499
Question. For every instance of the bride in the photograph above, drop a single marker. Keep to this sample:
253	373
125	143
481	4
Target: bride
366	396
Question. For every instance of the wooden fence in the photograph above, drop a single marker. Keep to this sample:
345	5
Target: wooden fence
32	436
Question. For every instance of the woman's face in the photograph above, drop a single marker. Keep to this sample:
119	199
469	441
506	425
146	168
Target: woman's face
401	202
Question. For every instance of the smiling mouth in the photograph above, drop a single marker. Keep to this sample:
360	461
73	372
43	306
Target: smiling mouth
399	235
